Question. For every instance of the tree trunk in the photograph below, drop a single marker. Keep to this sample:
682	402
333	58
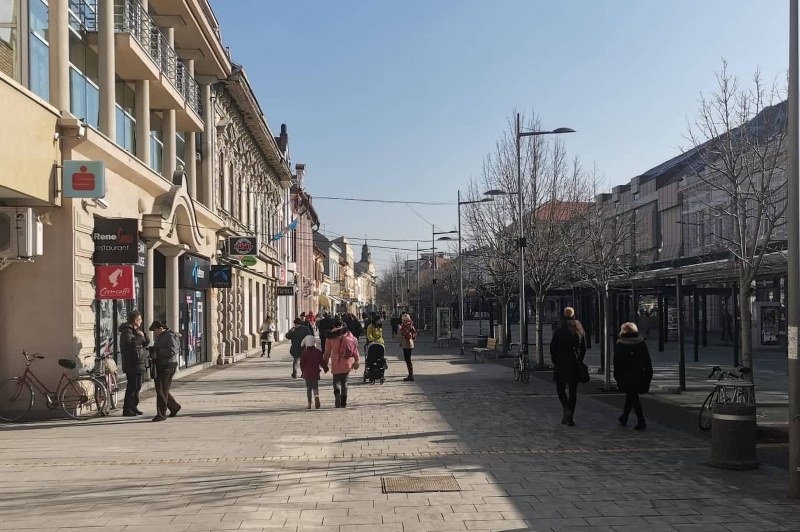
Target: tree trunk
505	333
746	316
606	349
539	334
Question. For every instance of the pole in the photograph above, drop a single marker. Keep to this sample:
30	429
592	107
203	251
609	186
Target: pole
793	278
661	310
696	317
433	286
419	294
460	279
681	352
521	244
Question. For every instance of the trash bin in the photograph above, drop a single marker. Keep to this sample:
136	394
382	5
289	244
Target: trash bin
733	436
483	340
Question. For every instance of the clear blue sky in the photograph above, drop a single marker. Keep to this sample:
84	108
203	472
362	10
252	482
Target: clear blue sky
403	99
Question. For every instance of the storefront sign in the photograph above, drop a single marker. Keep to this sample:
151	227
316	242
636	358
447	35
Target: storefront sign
114	282
141	262
284	290
84	179
242	246
195	272
221	276
116	241
249	261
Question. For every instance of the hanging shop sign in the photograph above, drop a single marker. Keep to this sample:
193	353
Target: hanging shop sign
114	282
242	246
284	290
84	179
221	276
195	272
116	241
249	260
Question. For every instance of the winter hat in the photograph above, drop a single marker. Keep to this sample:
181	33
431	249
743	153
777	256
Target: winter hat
309	341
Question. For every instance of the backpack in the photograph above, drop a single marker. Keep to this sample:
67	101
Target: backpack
349	347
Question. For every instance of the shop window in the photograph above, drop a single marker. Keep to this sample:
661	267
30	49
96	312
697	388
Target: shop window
38	50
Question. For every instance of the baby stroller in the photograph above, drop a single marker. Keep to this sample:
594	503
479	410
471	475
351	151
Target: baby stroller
376	364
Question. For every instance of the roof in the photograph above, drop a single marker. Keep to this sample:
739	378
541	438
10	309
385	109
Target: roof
562	211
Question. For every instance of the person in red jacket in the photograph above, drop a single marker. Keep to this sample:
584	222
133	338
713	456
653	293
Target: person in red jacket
311	361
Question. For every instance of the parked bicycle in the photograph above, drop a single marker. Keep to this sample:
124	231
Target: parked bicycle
80	397
522	367
725	393
105	370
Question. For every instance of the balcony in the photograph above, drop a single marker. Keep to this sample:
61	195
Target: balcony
142	52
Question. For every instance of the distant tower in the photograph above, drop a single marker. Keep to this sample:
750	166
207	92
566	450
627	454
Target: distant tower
366	255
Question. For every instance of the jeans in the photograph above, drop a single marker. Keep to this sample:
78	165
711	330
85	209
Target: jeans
632	401
132	391
567	402
312	389
295	365
407	357
164	399
340	387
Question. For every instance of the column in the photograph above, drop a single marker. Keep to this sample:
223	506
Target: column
58	37
681	352
149	275
173	286
191	147
208	155
107	67
143	121
170	153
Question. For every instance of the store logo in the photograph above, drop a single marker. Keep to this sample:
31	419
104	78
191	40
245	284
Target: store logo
242	245
197	272
114	282
116	241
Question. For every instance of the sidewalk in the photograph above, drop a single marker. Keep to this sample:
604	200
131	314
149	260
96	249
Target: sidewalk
244	453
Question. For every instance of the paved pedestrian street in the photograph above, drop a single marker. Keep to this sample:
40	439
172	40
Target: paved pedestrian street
245	454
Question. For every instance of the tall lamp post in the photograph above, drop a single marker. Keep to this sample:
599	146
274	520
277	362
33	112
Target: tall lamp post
793	273
523	314
420	309
433	286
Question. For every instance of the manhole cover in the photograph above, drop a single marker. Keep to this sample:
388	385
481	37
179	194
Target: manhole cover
406	484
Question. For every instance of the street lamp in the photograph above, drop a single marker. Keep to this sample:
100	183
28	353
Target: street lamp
420	311
433	286
523	314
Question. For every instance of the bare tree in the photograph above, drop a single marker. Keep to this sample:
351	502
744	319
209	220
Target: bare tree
737	182
597	257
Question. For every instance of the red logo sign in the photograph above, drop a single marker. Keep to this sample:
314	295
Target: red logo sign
243	246
114	282
83	180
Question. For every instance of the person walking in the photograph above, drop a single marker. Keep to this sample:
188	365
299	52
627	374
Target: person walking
311	361
166	347
633	371
312	319
268	333
133	343
323	326
567	350
341	356
408	334
296	334
375	329
395	322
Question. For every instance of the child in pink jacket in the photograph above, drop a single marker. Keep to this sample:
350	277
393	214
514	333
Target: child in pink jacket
341	350
311	361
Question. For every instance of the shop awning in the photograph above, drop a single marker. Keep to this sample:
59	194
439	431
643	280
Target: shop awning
324	301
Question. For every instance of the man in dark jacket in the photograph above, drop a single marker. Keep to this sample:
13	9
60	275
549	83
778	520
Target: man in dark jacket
132	343
633	371
166	348
323	326
296	335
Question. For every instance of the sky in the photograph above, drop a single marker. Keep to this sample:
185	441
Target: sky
402	100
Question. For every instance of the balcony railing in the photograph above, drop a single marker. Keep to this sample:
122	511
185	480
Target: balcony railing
131	17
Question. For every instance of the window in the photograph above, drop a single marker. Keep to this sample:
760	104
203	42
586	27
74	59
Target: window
126	110
84	74
39	50
9	33
180	150
221	186
231	199
156	143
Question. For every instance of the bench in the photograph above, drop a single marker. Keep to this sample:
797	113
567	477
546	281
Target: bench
483	352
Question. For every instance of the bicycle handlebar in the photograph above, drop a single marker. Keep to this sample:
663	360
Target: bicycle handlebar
713	371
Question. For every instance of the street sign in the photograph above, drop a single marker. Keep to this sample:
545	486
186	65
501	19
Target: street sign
284	290
249	260
241	246
84	179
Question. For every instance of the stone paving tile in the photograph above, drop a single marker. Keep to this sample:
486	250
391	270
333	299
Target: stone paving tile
255	459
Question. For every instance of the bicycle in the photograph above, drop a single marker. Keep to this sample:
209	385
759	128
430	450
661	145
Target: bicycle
522	368
723	394
105	370
79	397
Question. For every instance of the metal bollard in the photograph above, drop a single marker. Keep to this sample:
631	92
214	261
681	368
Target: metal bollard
733	437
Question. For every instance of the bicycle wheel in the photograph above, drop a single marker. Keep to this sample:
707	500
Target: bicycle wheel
525	375
84	397
517	370
16	399
113	390
707	411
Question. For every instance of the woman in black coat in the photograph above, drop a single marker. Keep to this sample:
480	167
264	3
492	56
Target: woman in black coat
633	371
567	349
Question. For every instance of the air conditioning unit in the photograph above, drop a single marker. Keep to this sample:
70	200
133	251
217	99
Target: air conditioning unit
21	233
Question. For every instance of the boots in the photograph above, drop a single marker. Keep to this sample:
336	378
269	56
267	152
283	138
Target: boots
564	415
344	401
410	367
337	399
570	421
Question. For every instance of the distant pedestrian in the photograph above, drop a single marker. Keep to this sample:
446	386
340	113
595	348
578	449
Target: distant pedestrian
395	322
296	334
268	333
166	348
133	343
311	361
306	322
323	326
312	319
567	350
341	355
353	325
408	335
633	371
